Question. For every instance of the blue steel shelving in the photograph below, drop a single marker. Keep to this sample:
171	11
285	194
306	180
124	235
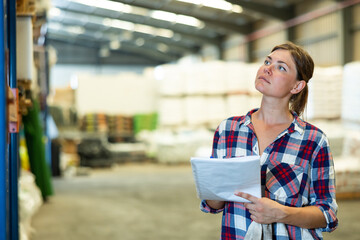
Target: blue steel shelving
9	166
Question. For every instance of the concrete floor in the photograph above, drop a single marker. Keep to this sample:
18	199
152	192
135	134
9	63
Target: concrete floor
144	201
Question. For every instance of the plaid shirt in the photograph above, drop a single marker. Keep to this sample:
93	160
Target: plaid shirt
296	170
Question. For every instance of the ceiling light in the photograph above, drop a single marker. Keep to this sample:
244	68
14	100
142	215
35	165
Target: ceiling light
118	24
139	42
165	33
162	15
191	1
162	47
75	30
191	21
104	52
54	12
105	4
115	44
218	4
237	9
144	29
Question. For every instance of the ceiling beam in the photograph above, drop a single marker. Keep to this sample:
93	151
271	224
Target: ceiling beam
142	51
224	25
174	46
192	33
279	13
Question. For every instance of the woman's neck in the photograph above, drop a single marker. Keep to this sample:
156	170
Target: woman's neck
273	113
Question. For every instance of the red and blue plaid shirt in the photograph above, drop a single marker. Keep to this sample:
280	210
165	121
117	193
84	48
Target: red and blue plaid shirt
297	170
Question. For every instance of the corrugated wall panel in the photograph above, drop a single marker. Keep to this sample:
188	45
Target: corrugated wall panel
356	36
235	49
262	46
320	38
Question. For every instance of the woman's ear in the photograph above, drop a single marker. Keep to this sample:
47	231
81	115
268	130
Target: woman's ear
300	85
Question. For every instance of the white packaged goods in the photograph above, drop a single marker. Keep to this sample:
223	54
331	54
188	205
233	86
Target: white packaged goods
240	77
30	200
171	111
171	80
237	104
214	74
195	110
215	109
179	146
325	90
347	171
351	93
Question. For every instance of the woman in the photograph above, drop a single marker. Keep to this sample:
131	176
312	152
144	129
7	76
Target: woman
297	173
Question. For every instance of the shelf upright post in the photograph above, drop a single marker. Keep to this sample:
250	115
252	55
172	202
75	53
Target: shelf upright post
14	135
4	210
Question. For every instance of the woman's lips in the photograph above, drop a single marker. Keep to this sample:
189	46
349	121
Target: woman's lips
263	78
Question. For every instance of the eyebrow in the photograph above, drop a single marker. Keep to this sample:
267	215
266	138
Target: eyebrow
279	62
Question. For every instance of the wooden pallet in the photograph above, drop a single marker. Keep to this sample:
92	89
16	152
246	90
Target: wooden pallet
347	195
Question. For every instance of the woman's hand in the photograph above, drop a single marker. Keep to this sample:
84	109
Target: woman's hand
263	210
266	211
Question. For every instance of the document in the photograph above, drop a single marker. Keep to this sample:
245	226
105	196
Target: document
219	179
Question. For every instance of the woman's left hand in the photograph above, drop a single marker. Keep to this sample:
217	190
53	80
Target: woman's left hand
263	210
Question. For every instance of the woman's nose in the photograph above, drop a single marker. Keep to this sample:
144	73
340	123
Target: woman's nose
267	69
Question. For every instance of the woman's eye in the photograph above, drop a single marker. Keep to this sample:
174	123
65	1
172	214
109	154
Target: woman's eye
282	68
266	62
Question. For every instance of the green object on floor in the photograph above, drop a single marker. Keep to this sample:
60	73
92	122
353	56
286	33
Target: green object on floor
36	150
145	122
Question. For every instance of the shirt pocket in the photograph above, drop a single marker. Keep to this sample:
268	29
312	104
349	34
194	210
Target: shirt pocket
283	183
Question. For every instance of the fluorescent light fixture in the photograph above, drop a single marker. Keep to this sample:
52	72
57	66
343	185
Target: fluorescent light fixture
191	1
139	42
75	30
115	23
54	12
162	15
165	33
191	21
218	4
145	29
177	18
115	44
237	8
162	47
106	4
104	52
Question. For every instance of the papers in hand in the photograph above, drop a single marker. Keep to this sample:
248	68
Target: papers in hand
219	179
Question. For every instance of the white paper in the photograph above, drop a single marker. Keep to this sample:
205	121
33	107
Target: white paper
219	179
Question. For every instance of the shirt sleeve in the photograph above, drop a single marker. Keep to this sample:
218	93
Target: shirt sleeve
207	209
216	146
322	192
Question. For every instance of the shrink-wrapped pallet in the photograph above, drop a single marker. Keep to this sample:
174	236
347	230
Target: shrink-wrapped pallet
351	93
171	111
240	77
325	90
171	80
195	110
215	109
237	105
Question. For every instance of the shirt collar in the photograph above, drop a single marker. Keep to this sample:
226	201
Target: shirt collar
297	125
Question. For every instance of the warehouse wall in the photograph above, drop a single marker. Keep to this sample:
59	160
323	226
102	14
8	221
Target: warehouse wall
323	36
356	20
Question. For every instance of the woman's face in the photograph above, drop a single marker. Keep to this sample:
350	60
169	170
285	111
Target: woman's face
277	76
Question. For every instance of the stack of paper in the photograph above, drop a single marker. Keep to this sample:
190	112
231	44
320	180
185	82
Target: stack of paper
219	179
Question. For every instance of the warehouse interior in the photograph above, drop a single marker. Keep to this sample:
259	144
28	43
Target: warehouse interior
113	98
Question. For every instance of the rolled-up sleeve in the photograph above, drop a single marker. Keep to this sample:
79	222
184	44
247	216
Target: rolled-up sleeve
322	192
207	209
